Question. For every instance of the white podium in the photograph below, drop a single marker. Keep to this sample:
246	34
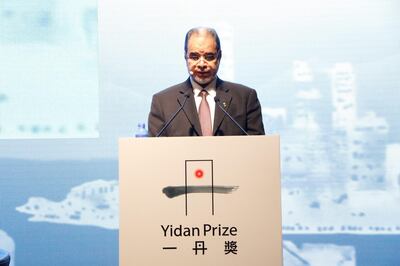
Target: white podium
200	201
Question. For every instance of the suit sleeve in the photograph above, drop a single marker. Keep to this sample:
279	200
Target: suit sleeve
255	124
156	117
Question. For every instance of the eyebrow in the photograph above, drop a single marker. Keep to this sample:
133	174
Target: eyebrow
203	53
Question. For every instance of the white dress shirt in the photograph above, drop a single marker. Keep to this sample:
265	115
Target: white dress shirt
210	96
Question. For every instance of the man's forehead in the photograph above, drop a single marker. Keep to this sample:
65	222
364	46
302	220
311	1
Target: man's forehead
202	41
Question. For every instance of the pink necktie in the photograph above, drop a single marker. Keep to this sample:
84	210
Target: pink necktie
205	115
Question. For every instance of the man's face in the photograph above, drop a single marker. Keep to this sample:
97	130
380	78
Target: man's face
202	59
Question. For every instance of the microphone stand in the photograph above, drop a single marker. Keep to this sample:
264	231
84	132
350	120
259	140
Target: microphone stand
216	99
173	116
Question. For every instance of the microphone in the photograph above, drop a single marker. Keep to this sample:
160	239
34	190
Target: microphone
174	115
217	101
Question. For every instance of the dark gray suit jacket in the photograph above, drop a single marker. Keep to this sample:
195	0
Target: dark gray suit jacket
239	101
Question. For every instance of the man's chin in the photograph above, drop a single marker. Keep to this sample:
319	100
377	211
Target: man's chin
203	81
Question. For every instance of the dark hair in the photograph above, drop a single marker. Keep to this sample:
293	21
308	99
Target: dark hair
211	31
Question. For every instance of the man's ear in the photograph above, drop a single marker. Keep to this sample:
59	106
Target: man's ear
219	54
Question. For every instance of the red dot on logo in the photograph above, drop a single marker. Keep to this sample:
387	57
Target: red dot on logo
199	173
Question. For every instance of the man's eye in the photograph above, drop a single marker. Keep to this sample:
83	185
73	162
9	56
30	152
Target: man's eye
194	57
209	57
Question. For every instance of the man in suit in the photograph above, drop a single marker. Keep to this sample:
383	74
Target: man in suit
201	94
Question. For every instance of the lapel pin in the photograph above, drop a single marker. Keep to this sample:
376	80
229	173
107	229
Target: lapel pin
224	104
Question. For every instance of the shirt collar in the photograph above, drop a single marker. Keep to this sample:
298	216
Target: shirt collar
211	88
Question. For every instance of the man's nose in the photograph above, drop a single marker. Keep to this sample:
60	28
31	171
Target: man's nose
202	64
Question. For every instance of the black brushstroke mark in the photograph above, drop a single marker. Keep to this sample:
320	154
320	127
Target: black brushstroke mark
172	192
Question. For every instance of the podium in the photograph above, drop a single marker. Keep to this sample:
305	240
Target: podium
200	201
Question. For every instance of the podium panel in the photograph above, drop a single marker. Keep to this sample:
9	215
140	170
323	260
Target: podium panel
200	201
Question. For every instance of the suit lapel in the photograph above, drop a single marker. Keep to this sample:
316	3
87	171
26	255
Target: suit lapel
225	100
190	109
